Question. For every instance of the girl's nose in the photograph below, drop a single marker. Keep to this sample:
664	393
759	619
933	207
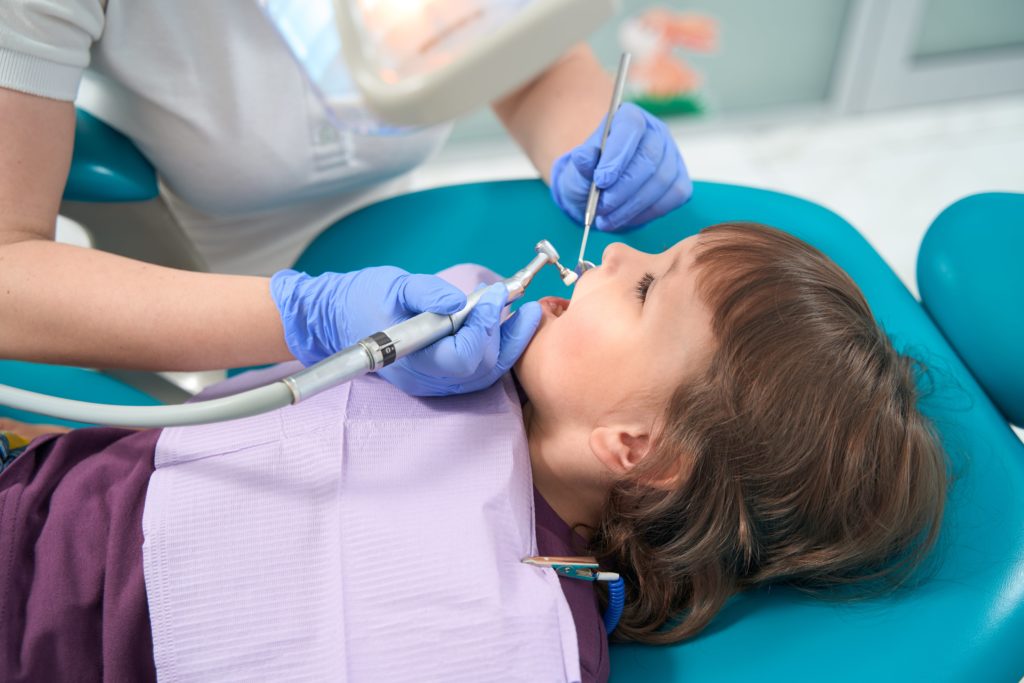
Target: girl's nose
615	254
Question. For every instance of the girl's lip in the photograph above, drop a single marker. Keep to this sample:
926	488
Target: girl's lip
554	305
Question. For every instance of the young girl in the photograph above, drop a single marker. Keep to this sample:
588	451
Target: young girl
751	424
723	415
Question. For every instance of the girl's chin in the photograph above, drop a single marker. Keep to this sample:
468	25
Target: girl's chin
552	308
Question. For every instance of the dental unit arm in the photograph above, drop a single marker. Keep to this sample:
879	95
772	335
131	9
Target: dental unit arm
370	354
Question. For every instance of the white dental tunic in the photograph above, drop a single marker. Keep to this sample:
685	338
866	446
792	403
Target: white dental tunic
248	162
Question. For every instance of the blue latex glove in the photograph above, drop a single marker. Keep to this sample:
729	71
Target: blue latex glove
641	174
324	314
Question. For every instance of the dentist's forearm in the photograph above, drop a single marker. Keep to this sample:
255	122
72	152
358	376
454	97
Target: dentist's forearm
557	110
76	306
65	304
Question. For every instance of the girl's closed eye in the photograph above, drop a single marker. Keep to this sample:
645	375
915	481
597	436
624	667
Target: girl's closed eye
642	285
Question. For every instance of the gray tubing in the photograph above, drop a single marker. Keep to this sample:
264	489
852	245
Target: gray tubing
409	336
258	400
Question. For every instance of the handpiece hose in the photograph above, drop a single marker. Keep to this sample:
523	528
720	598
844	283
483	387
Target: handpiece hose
370	354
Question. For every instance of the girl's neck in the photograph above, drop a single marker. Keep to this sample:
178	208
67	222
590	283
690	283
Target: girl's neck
575	497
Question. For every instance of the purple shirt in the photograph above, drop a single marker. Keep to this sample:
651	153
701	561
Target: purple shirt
72	596
556	538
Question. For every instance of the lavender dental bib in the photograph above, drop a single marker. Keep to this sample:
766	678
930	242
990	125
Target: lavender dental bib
362	535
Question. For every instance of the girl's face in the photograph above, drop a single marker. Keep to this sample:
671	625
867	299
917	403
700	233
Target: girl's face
634	329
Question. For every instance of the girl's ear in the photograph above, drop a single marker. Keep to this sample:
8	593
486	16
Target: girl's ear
619	447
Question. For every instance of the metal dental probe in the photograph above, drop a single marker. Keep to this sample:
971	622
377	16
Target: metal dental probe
588	217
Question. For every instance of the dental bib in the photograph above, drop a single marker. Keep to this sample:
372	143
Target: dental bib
363	535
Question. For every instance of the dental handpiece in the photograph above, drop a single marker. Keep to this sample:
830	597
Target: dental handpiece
370	354
385	347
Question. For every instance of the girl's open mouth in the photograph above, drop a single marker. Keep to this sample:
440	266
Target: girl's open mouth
554	305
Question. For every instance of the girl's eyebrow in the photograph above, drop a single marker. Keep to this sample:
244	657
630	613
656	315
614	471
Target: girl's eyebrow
668	271
672	266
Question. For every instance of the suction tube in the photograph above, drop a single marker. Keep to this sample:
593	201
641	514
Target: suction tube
370	354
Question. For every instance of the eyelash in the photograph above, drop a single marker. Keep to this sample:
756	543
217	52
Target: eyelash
642	285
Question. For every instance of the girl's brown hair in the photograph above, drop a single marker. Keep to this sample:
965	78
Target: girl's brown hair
800	454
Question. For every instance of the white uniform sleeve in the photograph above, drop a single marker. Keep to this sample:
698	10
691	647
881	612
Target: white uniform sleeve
44	44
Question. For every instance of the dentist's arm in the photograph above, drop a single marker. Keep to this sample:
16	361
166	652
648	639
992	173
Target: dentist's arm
558	119
66	304
558	109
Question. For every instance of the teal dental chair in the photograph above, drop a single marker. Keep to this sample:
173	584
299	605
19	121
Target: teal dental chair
966	622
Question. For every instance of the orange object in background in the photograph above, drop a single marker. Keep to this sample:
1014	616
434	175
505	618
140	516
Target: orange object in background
659	79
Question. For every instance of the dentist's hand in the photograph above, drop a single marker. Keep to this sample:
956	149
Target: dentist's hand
324	314
641	174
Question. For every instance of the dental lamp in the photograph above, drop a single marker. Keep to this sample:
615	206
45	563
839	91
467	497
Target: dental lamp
423	62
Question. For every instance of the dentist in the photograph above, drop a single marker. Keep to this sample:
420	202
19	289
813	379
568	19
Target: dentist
251	170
